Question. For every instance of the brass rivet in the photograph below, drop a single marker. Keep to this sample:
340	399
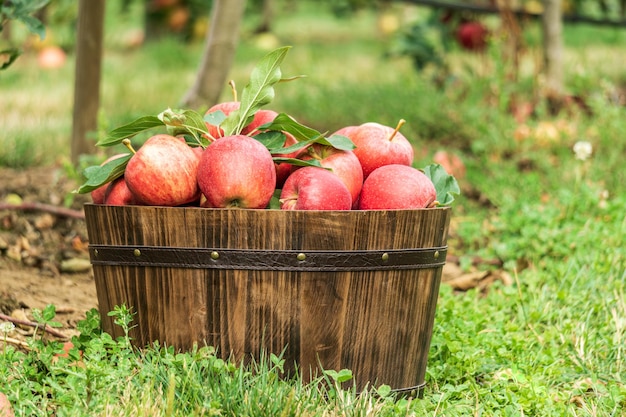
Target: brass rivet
385	257
436	254
215	255
301	256
137	252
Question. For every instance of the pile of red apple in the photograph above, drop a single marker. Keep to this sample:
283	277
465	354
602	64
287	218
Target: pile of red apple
239	171
239	155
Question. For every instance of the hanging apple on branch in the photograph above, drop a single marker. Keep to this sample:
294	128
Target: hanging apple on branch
240	155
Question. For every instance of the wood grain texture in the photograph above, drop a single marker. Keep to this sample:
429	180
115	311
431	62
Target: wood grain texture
376	323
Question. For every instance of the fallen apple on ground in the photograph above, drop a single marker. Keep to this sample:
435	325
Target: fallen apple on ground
237	171
472	36
396	186
312	188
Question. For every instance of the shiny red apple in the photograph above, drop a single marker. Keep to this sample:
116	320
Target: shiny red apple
342	163
118	194
283	169
312	188
163	172
237	171
397	187
378	145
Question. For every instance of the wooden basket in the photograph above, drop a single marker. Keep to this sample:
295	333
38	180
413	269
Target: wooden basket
332	289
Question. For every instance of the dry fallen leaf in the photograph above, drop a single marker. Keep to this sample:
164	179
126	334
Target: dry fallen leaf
5	406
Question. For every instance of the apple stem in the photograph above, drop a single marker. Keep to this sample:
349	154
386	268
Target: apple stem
233	89
400	124
127	143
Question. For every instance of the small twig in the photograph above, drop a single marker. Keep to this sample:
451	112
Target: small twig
476	260
15	342
33	324
59	211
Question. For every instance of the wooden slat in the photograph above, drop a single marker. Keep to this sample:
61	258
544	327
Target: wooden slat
378	323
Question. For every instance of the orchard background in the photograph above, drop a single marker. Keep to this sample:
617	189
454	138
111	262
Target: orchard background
532	319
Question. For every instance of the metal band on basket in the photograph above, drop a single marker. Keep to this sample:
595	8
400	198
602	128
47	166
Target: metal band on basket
284	260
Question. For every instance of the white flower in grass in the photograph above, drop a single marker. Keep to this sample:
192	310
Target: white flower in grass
583	150
6	327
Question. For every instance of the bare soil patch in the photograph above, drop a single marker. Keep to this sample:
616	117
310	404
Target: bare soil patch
43	248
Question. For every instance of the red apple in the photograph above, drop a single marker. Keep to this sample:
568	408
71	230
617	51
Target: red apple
378	145
342	163
283	169
260	118
163	172
237	171
472	36
346	131
97	195
198	150
118	193
312	188
225	107
397	187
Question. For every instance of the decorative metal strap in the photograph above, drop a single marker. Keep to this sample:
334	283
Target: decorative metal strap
267	260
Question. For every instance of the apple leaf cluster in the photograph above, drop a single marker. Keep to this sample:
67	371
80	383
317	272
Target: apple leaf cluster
445	184
351	153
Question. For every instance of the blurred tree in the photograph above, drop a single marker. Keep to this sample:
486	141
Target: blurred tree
552	26
219	52
267	15
87	77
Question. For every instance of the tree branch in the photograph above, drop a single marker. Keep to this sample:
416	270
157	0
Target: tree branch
59	211
33	324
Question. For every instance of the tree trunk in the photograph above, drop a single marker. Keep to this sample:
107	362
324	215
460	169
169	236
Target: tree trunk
219	53
267	16
553	49
87	75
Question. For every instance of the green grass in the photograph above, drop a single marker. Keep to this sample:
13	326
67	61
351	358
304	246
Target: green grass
552	343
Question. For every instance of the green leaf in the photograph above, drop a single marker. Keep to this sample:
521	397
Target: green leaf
116	136
258	92
299	162
272	140
99	175
339	376
34	25
445	184
304	134
180	122
11	56
341	142
215	118
285	123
